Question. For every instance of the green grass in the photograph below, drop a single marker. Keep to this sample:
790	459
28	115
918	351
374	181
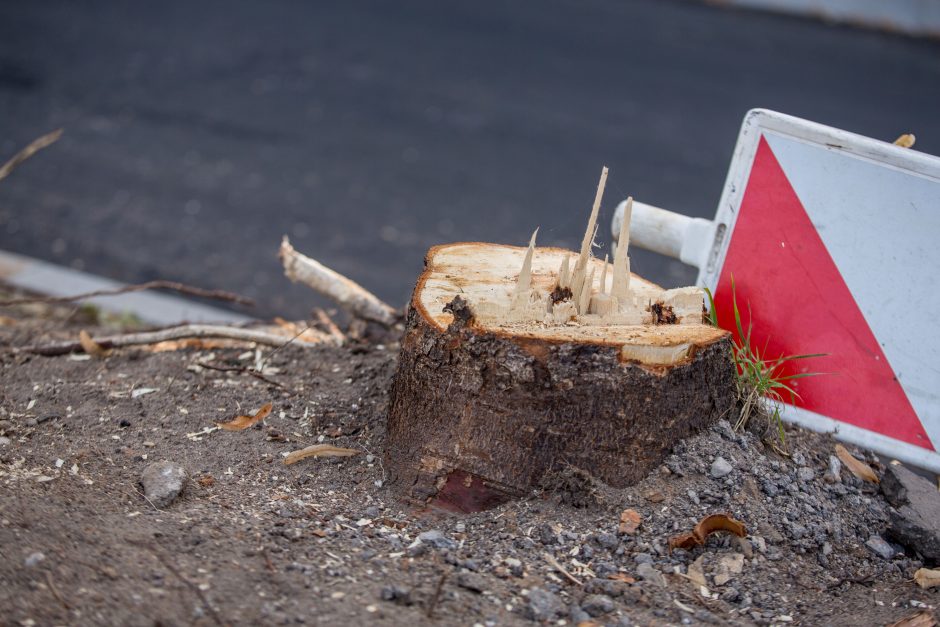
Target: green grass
759	378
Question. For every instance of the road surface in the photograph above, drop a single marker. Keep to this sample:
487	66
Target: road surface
196	134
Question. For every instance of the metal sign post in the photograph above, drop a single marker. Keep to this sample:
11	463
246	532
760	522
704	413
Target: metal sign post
832	239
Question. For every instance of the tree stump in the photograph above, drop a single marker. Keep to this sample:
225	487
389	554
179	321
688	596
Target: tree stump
485	403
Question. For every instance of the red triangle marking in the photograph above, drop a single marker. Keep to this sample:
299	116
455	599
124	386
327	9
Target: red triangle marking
801	304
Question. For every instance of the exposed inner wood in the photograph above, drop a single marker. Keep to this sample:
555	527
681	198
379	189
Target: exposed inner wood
483	275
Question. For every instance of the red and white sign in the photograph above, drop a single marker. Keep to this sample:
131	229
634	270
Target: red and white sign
833	240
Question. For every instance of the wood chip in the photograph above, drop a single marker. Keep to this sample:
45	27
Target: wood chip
320	450
243	422
621	577
630	520
706	527
859	468
927	578
90	346
920	619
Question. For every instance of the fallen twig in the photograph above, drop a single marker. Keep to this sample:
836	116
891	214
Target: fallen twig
554	563
437	595
186	331
149	285
240	369
55	591
328	325
195	588
352	296
35	146
320	450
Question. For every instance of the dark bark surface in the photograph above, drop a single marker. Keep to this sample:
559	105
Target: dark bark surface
476	417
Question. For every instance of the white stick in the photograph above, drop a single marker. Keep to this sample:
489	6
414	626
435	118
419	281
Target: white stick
346	292
525	275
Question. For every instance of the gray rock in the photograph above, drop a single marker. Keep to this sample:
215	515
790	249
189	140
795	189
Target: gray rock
515	566
6	427
163	482
472	582
648	572
578	616
643	558
916	521
607	540
720	468
879	547
834	474
33	559
805	474
436	539
4	441
396	594
597	604
543	605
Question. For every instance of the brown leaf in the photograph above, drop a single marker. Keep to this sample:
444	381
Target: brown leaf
243	422
206	481
859	468
906	140
927	578
706	527
621	577
320	450
920	619
630	521
90	346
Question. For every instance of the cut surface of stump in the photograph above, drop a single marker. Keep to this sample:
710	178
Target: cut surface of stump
519	362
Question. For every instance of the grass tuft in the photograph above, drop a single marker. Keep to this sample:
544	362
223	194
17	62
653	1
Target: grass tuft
759	378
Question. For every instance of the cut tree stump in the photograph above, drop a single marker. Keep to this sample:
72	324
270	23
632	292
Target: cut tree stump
515	366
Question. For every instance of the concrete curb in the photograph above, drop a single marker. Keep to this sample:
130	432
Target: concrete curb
160	309
912	17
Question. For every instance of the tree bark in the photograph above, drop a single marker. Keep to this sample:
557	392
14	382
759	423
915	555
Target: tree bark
480	413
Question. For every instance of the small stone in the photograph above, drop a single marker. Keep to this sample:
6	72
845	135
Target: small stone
6	426
881	548
472	582
597	604
721	468
578	616
730	595
4	441
643	558
607	540
436	539
649	573
370	458
396	594
544	605
515	566
547	535
806	474
163	482
834	474
460	527
33	559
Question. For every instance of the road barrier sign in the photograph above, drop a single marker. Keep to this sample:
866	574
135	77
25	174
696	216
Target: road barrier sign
833	240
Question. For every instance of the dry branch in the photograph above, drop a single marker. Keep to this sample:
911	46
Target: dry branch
346	292
35	146
186	331
149	285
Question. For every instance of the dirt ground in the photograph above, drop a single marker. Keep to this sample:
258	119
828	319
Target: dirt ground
254	541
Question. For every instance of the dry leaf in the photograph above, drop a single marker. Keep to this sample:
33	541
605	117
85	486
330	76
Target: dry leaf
927	578
630	521
621	577
90	346
706	527
859	468
7	321
906	140
320	450
920	619
243	422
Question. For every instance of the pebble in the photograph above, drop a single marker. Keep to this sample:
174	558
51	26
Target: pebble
881	548
437	539
721	468
834	474
544	605
33	559
597	604
471	581
806	474
607	540
396	594
515	566
163	482
643	558
4	441
648	572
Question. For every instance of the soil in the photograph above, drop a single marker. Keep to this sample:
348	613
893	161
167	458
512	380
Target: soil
254	541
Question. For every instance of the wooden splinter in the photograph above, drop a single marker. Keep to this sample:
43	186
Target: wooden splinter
621	285
580	268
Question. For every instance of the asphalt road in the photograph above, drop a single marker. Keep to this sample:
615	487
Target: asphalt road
197	133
